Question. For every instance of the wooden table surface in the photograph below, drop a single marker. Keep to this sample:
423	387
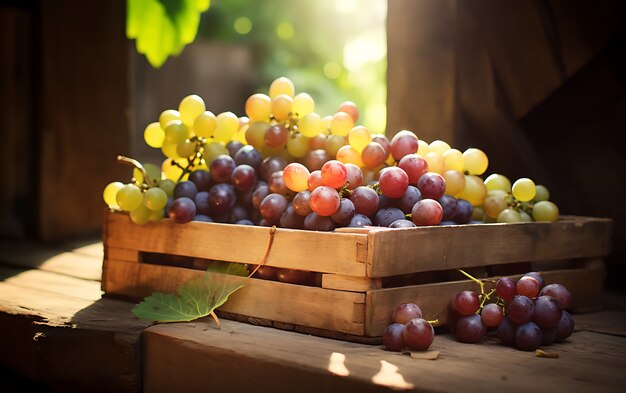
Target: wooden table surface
58	333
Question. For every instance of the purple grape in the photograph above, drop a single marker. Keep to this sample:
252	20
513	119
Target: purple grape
506	331
506	289
360	220
233	147
565	327
222	198
182	210
276	184
528	336
491	314
385	201
248	155
520	309
464	212
238	213
365	200
222	168
402	223
244	222
202	203
202	218
432	185
449	205
548	335
270	165
466	302
547	312
559	292
272	207
384	217
185	189
392	337
315	222
411	196
418	334
202	179
243	177
344	214
404	312
302	203
290	219
470	329
258	195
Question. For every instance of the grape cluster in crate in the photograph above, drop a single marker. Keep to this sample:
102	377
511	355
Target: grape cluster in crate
285	165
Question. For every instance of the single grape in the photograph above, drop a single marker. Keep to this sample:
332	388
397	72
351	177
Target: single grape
248	155
189	108
282	85
365	200
491	315
355	176
185	189
506	289
258	107
298	145
270	165
393	337
414	166
129	197
222	198
496	181
541	194
333	143
403	143
431	185
281	107
155	198
427	212
154	135
384	142
404	312
373	155
558	292
360	220
167	116
537	276
528	286
524	189
341	124
334	174
222	168
348	155
238	213
418	334
402	223
315	222
314	180
109	193
455	182
176	132
140	215
359	137
205	124
296	177
464	212
439	146
393	182
453	160
350	108
324	201
276	136
290	219
470	329
528	337
243	177
411	196
310	125
315	159
182	210
201	178
272	207
255	135
545	211
387	215
474	191
506	331
509	215
167	185
435	162
233	147
520	309
259	193
547	312
466	302
565	327
450	206
344	213
475	161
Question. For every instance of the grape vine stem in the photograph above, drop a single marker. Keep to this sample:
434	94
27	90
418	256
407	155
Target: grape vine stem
267	251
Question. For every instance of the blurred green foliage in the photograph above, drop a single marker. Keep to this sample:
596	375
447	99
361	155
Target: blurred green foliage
333	50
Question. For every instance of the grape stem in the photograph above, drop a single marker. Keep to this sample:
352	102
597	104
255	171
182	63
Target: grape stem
480	283
216	319
137	164
267	251
434	322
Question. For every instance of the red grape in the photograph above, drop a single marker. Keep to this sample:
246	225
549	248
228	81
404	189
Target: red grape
403	143
404	312
547	312
491	315
528	337
365	200
528	286
427	212
559	292
334	174
418	334
414	166
520	309
432	185
314	180
470	329
506	289
392	337
393	182
325	201
466	302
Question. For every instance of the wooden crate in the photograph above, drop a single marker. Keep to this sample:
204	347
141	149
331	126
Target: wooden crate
364	273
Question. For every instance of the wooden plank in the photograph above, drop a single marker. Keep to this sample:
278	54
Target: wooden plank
585	285
296	249
277	301
122	254
441	248
350	283
277	361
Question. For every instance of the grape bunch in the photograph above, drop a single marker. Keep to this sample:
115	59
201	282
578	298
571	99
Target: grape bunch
286	165
525	314
408	329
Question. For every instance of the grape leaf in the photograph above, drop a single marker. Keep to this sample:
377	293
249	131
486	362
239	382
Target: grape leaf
163	27
197	298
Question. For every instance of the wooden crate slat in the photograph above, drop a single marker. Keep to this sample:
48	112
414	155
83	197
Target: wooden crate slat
350	283
400	251
585	284
300	305
304	250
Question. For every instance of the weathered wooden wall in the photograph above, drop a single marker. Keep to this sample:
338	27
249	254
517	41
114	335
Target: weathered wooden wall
540	86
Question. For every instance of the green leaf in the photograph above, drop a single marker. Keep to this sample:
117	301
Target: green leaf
163	27
196	299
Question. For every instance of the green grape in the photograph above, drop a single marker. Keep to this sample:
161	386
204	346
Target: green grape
227	125
341	124
478	214
240	135
168	115
167	185
423	148
542	193
156	215
474	191
435	162
281	107
333	144
213	150
282	85
186	149
509	215
310	125
190	107
109	193
154	172
326	120
303	104
169	149
455	182
476	161
154	135
525	216
524	189
498	182
298	146
129	197
204	125
140	215
545	211
255	134
176	132
258	107
359	137
453	160
438	146
155	198
495	202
